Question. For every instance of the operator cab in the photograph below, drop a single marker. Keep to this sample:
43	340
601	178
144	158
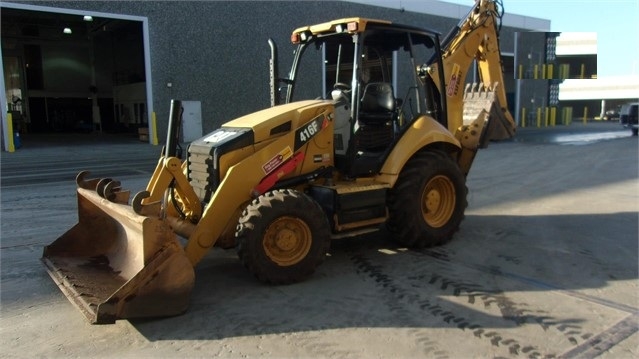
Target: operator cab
372	72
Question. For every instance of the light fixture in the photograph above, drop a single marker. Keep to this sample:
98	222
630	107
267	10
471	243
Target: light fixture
87	18
67	30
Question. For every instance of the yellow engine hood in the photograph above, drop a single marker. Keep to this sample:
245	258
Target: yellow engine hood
280	119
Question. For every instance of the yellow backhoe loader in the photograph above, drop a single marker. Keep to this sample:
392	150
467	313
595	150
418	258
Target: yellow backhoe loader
372	126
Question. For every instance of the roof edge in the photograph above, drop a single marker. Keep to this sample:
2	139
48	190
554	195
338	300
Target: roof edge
456	11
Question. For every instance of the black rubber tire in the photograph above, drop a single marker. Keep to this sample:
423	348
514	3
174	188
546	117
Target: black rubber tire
283	216
408	211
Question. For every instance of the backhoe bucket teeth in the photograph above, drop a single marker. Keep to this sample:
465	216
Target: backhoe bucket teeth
480	98
115	263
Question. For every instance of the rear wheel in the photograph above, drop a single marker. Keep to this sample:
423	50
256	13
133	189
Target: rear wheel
428	201
283	236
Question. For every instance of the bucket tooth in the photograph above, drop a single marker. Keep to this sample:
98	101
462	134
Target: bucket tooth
152	209
102	183
114	193
105	187
82	182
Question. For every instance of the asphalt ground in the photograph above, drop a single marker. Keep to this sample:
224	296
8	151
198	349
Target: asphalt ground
545	265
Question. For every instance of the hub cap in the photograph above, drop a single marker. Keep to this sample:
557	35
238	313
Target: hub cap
287	241
438	201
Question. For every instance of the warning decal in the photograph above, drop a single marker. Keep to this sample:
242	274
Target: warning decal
277	160
455	81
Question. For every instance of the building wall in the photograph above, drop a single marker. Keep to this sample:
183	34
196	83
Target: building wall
216	52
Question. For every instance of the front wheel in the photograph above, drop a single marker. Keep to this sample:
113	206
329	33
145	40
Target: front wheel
283	236
428	200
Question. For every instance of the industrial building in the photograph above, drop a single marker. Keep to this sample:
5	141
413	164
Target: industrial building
114	66
590	95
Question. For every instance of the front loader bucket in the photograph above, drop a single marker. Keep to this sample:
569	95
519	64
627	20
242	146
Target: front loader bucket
115	263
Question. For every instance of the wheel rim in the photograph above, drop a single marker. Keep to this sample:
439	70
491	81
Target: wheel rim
287	240
438	201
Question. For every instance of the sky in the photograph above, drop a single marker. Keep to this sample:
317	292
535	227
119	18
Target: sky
616	23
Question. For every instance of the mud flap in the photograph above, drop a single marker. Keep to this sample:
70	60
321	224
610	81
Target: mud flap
115	263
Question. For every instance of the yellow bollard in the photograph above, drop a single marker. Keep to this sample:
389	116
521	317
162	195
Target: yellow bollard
521	72
553	116
11	145
535	71
569	115
564	71
539	117
546	117
154	128
550	71
566	114
523	117
585	114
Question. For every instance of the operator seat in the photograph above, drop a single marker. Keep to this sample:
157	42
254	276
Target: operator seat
377	115
378	104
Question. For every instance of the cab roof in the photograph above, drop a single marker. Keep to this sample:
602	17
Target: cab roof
349	25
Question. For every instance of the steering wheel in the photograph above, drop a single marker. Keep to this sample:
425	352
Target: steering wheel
341	86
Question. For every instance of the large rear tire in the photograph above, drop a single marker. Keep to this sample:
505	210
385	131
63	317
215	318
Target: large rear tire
283	236
428	200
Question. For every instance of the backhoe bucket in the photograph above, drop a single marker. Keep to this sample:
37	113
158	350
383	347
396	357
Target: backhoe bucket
115	263
481	98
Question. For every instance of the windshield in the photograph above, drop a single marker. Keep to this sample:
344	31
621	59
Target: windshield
349	62
321	64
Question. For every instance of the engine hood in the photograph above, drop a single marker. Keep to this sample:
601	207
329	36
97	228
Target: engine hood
277	120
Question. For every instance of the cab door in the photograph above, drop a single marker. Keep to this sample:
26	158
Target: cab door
390	94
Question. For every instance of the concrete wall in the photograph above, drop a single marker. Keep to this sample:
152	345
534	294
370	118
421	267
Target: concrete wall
216	52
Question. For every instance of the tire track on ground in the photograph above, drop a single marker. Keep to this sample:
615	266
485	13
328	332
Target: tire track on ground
396	298
510	310
400	296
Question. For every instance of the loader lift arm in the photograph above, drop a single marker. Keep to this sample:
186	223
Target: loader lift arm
169	178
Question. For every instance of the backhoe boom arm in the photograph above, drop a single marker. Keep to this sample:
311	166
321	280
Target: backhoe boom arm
475	38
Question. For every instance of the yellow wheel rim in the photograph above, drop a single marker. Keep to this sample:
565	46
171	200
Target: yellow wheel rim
287	241
438	201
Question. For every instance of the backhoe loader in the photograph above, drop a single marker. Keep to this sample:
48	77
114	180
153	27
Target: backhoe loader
372	127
